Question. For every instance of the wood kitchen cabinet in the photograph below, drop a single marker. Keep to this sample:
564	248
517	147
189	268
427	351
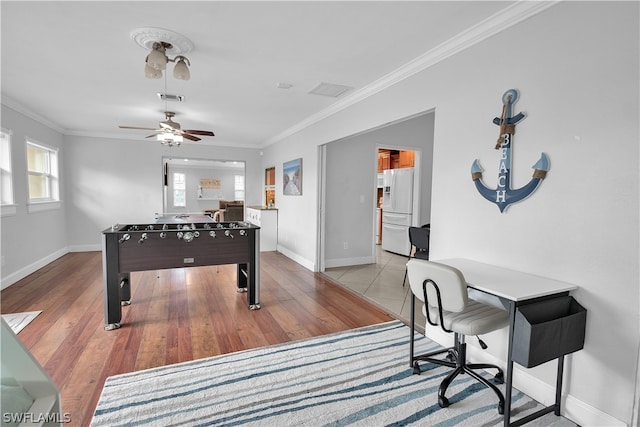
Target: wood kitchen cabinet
406	159
394	159
270	187
384	160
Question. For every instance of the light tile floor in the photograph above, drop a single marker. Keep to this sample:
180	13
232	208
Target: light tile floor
380	283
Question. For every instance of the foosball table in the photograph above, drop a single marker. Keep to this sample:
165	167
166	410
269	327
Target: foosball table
177	241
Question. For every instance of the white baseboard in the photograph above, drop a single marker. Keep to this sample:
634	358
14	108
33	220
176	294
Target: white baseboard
86	248
571	407
12	278
310	265
342	262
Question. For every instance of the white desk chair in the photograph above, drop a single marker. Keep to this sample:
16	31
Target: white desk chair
444	291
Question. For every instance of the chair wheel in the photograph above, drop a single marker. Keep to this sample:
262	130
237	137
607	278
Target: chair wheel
416	368
443	402
501	408
451	357
499	378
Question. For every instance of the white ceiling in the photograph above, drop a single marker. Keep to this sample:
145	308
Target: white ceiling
74	65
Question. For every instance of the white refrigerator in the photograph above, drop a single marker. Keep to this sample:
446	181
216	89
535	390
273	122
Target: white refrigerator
397	210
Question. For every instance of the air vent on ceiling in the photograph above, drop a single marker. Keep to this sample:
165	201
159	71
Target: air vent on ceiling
170	97
330	89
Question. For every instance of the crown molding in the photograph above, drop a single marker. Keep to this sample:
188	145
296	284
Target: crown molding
16	106
139	138
498	22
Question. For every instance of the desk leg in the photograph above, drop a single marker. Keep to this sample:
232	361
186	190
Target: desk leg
412	330
559	385
509	384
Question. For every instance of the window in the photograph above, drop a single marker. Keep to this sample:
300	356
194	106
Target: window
239	187
42	172
179	189
6	175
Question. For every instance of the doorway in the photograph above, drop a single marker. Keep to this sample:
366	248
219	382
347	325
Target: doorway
348	193
193	185
348	199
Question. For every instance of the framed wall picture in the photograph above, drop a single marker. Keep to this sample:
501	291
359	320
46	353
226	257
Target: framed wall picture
292	178
210	183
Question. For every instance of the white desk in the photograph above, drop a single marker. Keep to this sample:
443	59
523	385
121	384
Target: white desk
514	288
508	284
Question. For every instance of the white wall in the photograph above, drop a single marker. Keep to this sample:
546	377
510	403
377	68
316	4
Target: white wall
103	181
297	227
576	66
351	179
120	181
30	240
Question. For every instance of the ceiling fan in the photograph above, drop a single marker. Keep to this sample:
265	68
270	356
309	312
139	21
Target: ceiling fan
170	128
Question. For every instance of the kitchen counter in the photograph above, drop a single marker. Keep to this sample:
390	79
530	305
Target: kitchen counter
262	208
267	220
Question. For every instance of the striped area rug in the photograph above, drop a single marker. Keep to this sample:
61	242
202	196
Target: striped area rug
360	377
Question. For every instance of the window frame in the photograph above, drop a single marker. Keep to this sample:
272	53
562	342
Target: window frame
238	192
182	190
7	201
52	200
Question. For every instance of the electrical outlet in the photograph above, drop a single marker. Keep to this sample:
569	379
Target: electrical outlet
345	245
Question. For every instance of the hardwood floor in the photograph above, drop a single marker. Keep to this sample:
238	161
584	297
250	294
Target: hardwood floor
176	315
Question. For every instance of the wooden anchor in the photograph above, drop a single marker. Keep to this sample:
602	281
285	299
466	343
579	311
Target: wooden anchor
504	195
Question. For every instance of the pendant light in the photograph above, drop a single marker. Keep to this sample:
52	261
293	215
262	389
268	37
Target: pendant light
181	71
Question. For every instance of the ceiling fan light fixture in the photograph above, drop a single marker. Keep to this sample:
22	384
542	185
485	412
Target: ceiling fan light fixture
181	70
170	139
170	133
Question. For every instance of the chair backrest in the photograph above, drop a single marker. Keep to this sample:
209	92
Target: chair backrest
419	237
450	281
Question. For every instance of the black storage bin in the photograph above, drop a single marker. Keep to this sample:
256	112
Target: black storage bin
546	330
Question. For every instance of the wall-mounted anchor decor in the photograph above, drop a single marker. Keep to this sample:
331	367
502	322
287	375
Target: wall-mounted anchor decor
504	195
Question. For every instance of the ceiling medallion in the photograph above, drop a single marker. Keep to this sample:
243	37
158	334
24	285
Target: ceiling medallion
145	37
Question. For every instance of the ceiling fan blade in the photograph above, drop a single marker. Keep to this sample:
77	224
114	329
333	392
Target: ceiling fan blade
135	127
199	132
191	137
151	136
